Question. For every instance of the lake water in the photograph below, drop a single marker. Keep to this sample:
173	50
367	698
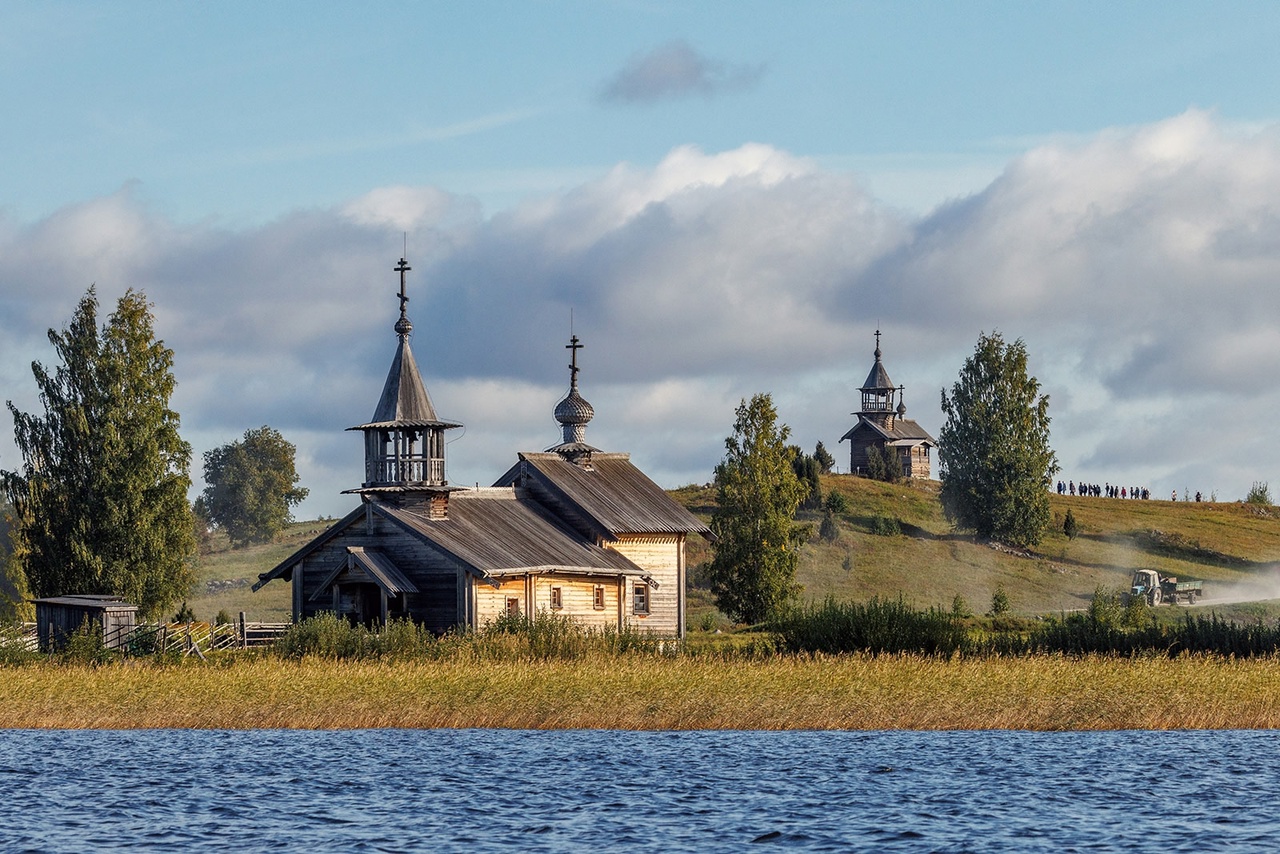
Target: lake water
503	790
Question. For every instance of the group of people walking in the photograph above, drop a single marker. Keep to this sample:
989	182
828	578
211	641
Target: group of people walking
1098	490
1094	490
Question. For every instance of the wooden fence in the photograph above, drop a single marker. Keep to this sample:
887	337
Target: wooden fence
192	638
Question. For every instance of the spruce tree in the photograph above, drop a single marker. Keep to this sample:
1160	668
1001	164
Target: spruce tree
996	463
753	571
101	498
824	458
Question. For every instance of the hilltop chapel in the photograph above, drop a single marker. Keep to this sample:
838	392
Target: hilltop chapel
885	427
572	530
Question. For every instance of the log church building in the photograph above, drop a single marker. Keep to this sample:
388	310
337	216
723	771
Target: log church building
573	529
884	426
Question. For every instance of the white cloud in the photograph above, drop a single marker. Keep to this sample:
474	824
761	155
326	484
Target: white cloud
1139	265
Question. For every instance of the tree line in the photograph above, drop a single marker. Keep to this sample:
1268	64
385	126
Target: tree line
99	503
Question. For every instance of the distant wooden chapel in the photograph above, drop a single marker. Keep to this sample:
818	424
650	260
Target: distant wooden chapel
572	530
883	425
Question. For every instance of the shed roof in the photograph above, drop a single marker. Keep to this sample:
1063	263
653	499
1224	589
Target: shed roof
610	494
93	601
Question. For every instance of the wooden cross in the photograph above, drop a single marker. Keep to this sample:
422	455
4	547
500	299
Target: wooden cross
402	268
573	365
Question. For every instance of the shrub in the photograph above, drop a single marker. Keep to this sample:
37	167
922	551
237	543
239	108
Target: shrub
1069	526
999	601
836	502
878	626
15	646
84	646
829	530
1259	493
885	526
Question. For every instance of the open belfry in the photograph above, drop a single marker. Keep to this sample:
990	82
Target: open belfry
883	425
572	530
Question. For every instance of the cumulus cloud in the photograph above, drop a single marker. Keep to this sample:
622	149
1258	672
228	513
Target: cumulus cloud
1139	265
677	70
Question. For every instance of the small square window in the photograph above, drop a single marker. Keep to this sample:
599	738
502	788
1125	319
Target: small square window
557	600
599	597
640	599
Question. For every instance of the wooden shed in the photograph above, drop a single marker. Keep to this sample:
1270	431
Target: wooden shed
60	617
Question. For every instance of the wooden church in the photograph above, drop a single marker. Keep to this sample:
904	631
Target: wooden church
572	530
885	426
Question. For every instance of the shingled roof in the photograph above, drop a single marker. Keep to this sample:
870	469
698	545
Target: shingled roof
491	530
608	497
491	533
404	401
903	431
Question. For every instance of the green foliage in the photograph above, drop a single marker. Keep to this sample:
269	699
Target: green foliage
185	615
101	498
85	646
835	502
823	457
1105	607
999	601
847	563
1259	493
548	636
222	618
883	464
14	606
202	526
960	608
14	648
1069	526
753	571
996	462
877	627
885	526
252	486
829	530
808	471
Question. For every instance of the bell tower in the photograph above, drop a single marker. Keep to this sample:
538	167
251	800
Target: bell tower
404	443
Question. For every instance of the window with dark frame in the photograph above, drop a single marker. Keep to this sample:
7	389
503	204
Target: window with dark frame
599	597
557	600
513	606
640	599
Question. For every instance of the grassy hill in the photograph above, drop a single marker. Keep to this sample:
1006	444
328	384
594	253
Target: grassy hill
1233	548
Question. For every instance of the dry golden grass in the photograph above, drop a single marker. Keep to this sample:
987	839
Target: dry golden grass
850	693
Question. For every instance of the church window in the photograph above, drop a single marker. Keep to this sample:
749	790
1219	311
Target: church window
599	597
513	606
557	600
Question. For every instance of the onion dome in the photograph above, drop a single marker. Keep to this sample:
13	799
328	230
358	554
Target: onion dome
574	412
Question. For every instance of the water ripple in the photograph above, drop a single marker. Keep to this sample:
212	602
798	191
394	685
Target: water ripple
487	790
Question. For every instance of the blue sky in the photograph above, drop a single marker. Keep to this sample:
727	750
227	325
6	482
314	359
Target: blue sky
730	197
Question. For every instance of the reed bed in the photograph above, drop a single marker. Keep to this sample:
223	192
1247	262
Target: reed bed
847	692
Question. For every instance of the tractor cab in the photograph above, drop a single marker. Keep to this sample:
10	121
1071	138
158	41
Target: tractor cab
1146	585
